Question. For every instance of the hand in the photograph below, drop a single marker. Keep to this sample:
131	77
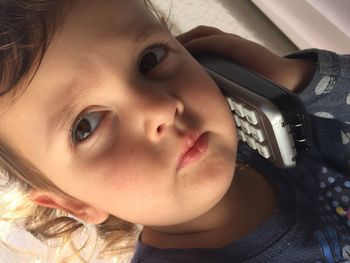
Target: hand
294	74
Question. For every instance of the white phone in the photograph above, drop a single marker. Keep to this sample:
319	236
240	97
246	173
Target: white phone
271	119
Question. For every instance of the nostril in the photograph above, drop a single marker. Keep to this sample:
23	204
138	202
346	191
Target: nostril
159	129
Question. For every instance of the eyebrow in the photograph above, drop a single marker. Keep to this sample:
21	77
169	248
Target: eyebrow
149	31
73	92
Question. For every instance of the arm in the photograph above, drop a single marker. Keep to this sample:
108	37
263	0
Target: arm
293	74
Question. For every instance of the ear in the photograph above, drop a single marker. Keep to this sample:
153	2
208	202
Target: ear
75	207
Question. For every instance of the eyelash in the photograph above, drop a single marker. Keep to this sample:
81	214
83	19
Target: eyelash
161	43
85	112
81	117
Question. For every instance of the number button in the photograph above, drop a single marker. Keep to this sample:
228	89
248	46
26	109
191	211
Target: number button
251	116
239	109
245	127
241	135
263	150
237	120
251	142
230	103
257	134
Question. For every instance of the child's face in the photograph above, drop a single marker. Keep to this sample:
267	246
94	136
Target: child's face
128	165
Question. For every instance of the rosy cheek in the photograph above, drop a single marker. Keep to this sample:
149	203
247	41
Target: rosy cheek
123	169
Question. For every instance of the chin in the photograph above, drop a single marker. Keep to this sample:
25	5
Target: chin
220	173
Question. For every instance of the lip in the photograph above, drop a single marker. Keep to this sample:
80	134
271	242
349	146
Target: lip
195	146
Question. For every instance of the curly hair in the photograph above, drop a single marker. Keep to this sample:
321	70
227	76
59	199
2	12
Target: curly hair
26	29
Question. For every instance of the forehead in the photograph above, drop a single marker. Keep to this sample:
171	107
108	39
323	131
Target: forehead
91	24
123	16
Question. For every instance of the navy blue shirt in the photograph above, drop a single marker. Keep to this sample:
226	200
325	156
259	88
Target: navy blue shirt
312	222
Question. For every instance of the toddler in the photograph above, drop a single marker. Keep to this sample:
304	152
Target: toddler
63	62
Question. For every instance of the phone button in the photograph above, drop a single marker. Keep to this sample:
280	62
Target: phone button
241	135
251	116
230	102
245	127
251	142
263	150
257	134
237	120
239	109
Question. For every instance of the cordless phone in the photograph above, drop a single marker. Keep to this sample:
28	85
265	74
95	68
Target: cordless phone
271	119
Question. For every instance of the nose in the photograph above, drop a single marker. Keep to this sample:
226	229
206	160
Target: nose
160	112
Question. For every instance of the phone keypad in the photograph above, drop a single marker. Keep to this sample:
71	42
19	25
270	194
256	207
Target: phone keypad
249	129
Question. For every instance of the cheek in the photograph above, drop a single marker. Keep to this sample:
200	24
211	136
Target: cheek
135	187
200	91
130	169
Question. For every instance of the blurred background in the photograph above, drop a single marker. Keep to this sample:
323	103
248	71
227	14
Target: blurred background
282	26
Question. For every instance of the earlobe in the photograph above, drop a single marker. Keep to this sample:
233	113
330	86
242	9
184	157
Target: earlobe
96	216
76	208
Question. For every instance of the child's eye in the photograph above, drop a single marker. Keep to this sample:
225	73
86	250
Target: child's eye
86	126
152	58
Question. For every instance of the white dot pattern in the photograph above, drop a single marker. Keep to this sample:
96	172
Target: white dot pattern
334	198
345	198
327	187
335	203
328	207
324	85
324	114
331	179
345	137
338	189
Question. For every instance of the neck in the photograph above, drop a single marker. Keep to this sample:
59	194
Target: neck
249	202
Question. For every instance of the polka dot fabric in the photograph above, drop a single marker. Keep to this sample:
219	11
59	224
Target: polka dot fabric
328	102
325	175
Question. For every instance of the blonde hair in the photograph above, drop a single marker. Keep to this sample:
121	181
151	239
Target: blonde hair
27	27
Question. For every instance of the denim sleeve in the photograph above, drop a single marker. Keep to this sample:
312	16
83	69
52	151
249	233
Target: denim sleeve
327	99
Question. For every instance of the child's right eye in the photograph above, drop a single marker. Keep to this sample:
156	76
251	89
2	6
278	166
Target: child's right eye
85	126
151	58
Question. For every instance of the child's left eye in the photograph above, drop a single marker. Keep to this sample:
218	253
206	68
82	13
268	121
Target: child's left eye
152	58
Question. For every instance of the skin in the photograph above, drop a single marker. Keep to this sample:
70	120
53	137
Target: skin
128	166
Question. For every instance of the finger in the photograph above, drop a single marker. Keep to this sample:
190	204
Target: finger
200	31
219	44
237	49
